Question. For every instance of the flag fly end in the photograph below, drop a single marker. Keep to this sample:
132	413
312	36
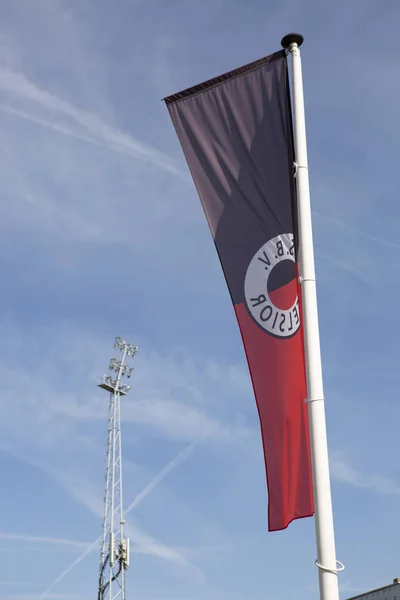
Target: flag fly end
292	38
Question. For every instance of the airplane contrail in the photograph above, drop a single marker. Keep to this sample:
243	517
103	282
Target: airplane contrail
71	566
175	462
157	479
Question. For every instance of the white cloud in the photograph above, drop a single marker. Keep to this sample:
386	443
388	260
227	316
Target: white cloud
174	395
29	539
175	419
57	391
344	472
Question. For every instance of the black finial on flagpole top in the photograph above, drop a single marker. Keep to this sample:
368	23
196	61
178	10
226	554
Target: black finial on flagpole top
292	38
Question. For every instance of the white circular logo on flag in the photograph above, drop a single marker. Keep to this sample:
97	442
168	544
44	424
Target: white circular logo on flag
270	287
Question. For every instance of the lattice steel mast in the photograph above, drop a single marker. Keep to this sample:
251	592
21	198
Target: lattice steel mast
114	557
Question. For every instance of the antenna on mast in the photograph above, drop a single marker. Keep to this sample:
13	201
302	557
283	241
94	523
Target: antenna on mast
114	555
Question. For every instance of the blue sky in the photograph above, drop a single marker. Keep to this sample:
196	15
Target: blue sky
102	234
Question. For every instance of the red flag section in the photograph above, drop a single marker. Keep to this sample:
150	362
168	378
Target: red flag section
277	373
236	134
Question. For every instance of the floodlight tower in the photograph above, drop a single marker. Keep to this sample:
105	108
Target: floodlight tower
114	557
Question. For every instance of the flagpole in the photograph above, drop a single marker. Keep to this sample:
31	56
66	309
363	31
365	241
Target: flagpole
328	566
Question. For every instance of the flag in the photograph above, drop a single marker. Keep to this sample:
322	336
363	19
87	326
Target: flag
236	134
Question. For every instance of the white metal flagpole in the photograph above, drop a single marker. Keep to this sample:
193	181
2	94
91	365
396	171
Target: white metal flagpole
328	566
